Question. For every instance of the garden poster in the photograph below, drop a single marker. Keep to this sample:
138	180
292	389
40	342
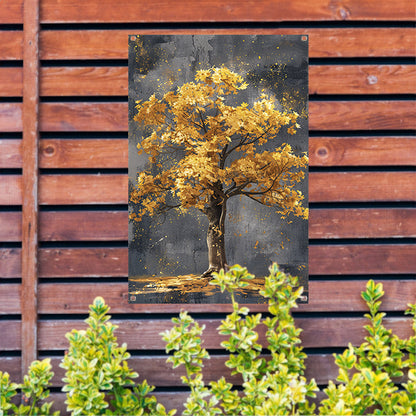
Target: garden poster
218	164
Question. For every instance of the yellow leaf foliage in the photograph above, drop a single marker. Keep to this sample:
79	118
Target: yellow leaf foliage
221	149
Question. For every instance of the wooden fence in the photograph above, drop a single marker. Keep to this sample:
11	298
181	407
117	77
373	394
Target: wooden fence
63	161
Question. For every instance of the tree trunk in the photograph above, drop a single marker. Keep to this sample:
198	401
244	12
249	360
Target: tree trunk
216	213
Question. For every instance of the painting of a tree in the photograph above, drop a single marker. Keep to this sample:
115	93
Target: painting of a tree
204	151
218	165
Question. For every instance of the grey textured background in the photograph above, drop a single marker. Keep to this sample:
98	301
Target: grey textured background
175	244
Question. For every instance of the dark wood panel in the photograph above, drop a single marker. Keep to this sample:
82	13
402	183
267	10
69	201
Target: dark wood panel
145	334
323	79
362	186
112	225
324	115
362	115
10	300
10	153
11	117
14	336
362	223
324	296
330	42
112	262
11	82
159	373
10	226
362	151
11	44
107	262
11	11
11	190
214	10
362	79
84	153
112	188
113	153
362	259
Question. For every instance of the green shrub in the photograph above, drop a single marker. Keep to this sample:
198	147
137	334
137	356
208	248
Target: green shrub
98	380
277	386
34	389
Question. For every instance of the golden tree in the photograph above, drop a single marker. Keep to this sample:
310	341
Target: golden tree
204	151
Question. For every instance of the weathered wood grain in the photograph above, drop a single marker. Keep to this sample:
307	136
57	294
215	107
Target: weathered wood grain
11	11
323	43
324	115
84	153
10	300
362	259
112	225
145	334
362	151
112	188
324	296
159	373
362	115
11	44
362	79
11	82
362	223
10	154
30	181
109	81
11	117
362	186
113	153
112	262
85	81
214	10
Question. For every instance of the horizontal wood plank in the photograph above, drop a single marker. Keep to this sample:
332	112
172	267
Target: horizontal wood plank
159	373
145	334
112	262
95	11
362	151
362	115
11	11
112	81
323	43
11	82
84	153
362	223
10	299
11	45
10	117
10	154
324	115
362	79
113	153
112	188
362	259
324	296
362	186
112	225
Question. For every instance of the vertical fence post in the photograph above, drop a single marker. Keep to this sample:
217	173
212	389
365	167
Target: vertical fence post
30	174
